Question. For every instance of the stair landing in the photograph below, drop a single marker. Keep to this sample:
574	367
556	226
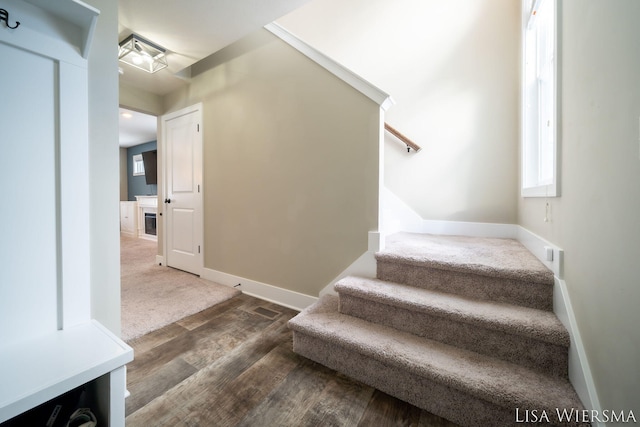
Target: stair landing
492	269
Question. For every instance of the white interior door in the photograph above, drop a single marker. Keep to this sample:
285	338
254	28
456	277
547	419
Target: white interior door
182	137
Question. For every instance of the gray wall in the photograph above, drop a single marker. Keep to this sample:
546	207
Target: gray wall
596	218
137	185
290	165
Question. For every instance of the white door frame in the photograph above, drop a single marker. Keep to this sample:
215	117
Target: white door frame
197	108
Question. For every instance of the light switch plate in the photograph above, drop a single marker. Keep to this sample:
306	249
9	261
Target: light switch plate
548	253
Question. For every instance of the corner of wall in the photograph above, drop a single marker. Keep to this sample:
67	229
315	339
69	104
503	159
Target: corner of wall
364	266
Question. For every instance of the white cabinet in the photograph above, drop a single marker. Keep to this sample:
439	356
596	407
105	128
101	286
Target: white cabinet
40	369
129	219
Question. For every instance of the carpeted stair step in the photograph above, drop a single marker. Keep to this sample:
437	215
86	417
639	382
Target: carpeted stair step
530	337
491	269
463	386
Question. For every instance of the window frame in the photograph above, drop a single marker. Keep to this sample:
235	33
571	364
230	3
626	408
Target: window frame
539	160
138	165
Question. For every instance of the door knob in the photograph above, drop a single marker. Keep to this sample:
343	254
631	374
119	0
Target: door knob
167	200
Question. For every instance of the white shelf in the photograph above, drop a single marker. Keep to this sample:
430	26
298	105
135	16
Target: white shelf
39	369
76	13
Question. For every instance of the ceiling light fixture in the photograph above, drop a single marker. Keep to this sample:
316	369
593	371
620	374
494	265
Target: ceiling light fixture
143	54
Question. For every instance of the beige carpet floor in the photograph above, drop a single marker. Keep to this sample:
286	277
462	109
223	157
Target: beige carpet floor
154	296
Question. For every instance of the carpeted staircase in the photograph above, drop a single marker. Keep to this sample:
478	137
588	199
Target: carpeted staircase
459	326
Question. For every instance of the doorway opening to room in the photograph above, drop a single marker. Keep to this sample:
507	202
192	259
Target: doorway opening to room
138	138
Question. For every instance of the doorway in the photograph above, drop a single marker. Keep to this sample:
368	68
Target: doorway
138	134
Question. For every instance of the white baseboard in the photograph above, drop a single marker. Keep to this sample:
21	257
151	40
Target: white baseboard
398	216
474	229
284	297
538	246
579	369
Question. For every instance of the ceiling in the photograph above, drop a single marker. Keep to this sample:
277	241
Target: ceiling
189	31
137	128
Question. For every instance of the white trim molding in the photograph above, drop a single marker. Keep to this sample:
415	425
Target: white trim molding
398	216
281	296
383	99
474	229
549	254
579	369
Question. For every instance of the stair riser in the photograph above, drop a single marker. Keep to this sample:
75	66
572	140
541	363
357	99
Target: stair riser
546	358
436	398
511	291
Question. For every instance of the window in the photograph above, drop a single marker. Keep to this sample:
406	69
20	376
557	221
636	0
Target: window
539	109
138	165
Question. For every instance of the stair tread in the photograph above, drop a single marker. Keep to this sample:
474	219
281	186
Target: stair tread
497	257
505	384
530	322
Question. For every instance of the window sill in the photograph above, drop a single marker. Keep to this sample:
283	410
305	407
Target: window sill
549	190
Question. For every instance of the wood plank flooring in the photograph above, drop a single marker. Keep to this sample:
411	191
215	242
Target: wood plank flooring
233	365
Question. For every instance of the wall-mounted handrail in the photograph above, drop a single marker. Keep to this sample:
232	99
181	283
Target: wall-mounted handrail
410	144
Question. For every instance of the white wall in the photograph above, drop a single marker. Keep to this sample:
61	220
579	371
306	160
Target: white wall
596	219
103	167
451	66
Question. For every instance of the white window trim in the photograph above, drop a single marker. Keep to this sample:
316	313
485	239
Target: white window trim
538	189
138	165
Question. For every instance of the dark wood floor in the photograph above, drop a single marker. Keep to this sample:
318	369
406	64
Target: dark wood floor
232	365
